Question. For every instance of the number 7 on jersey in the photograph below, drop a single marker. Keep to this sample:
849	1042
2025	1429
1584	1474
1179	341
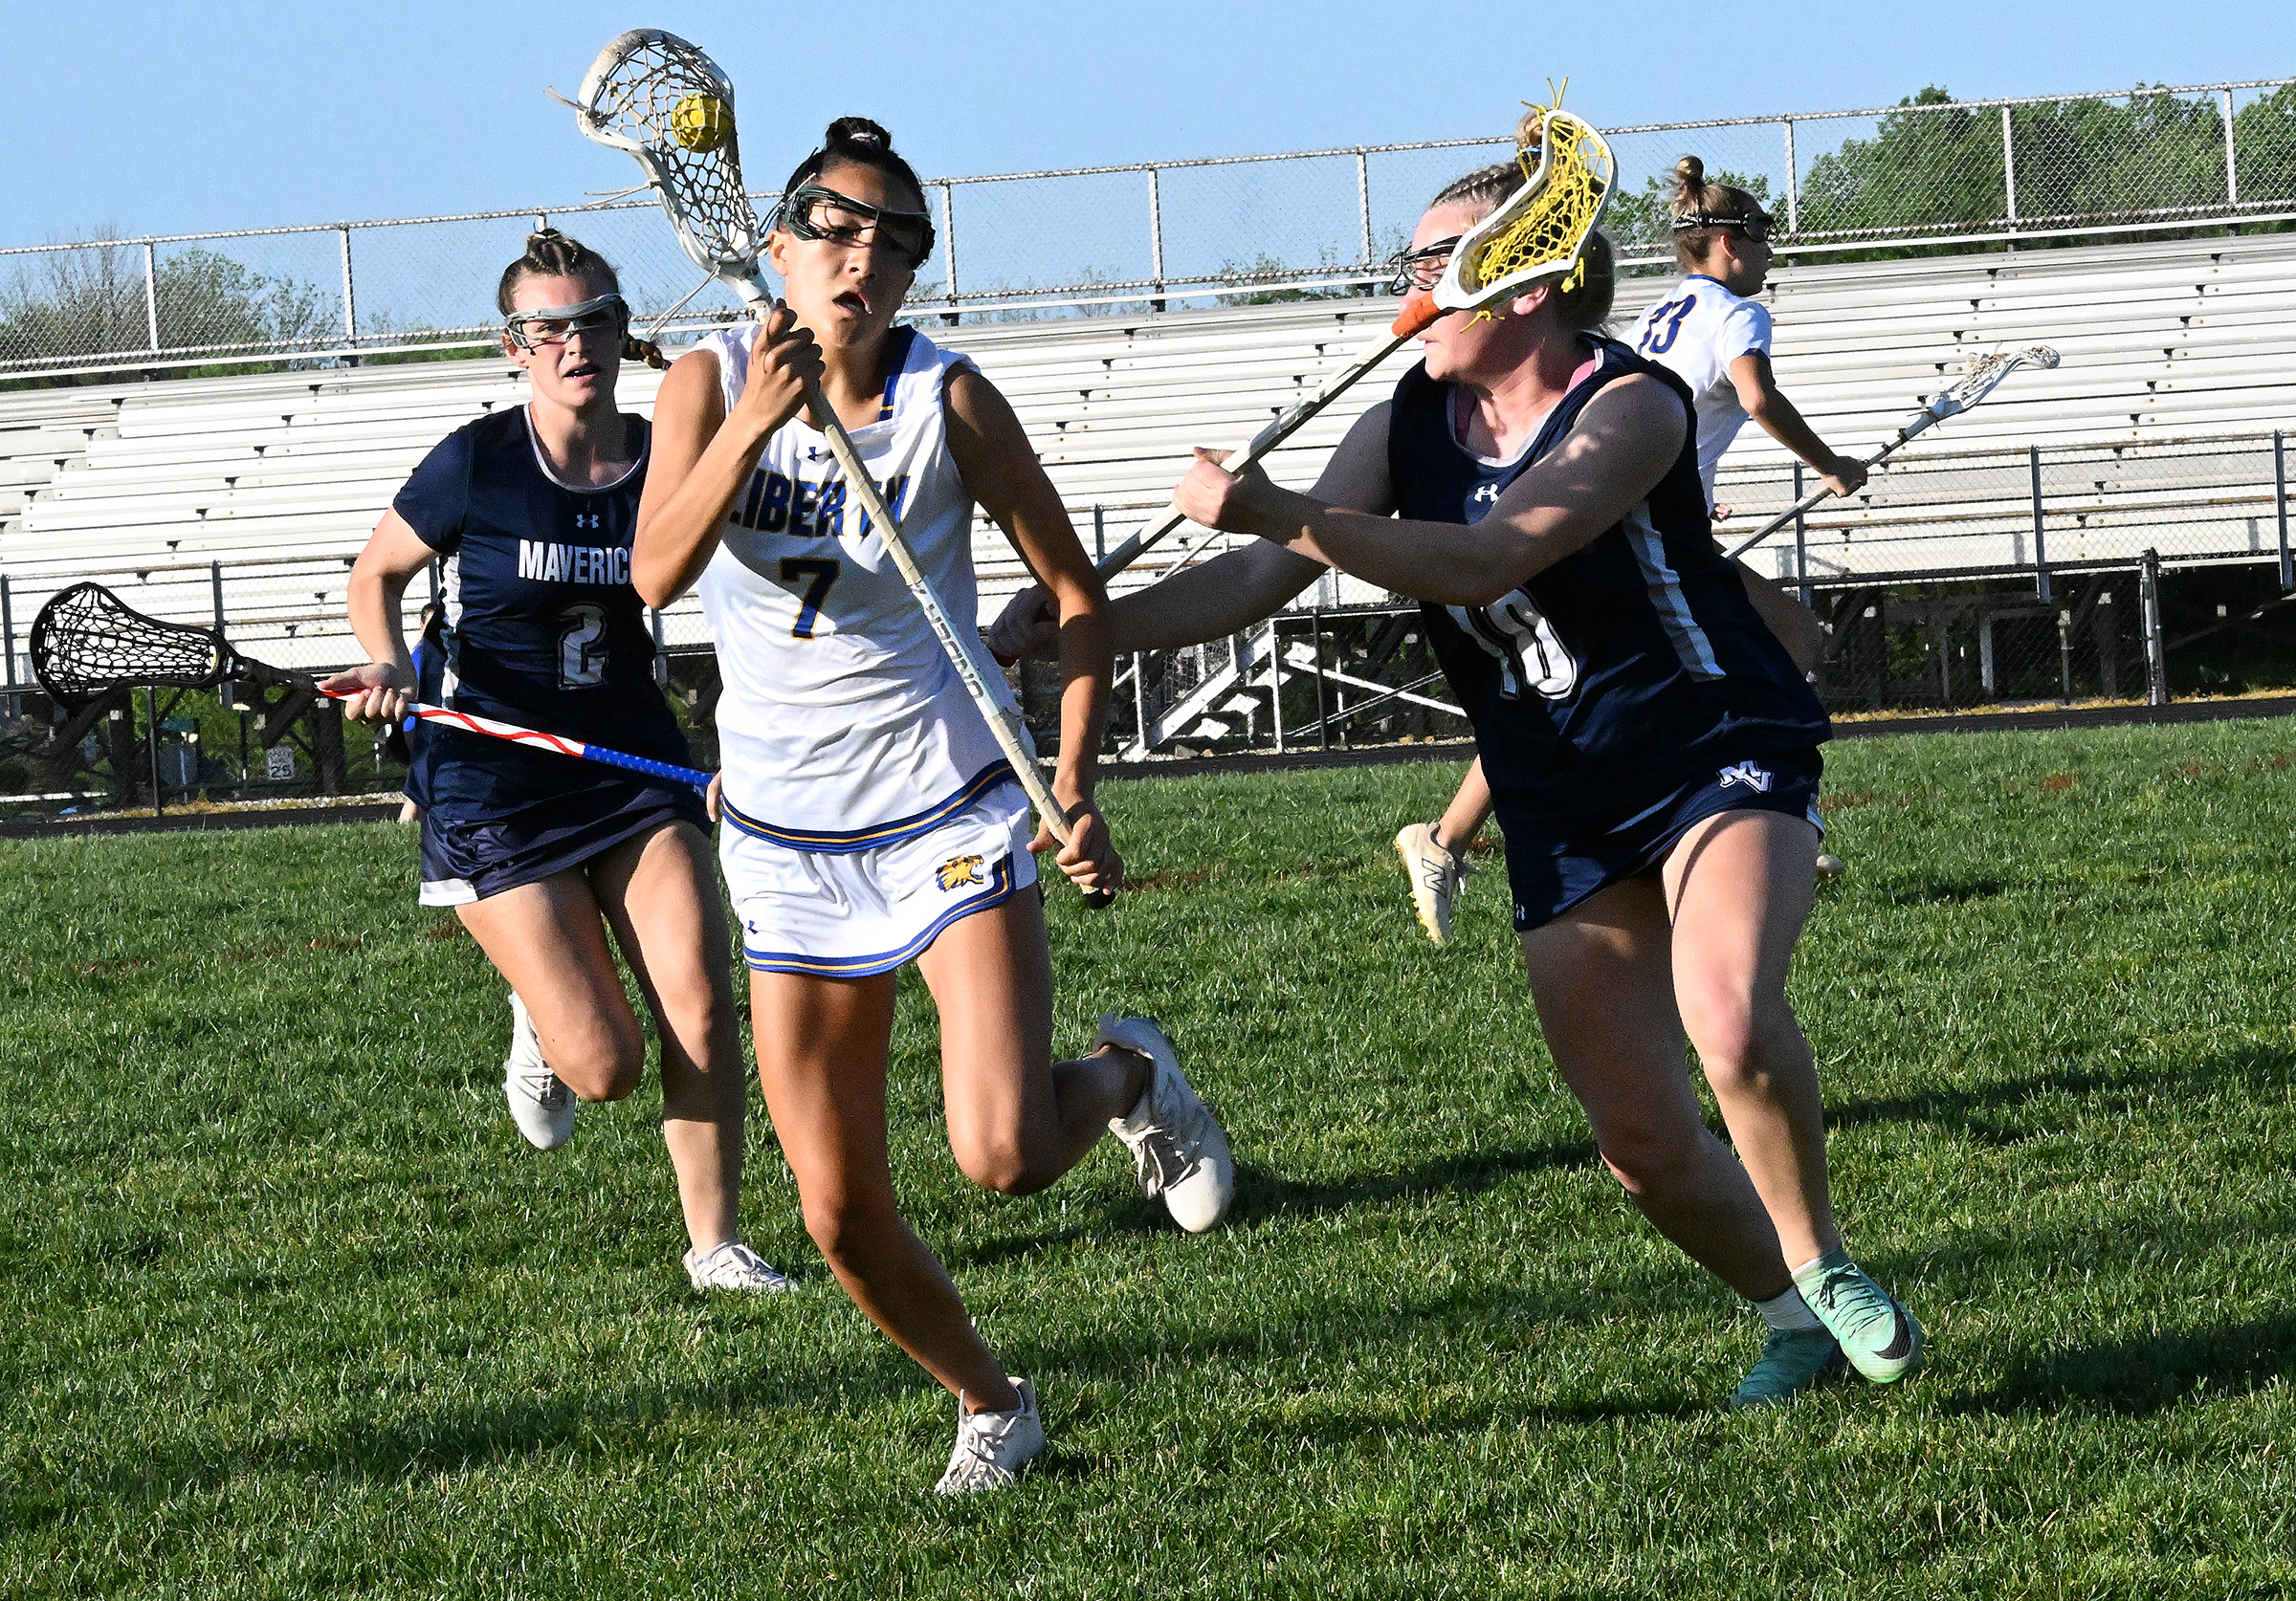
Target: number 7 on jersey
823	571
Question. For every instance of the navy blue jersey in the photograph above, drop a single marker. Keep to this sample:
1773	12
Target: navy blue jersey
542	626
1626	667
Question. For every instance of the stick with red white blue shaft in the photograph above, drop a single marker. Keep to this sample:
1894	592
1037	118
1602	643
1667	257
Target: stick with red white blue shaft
496	729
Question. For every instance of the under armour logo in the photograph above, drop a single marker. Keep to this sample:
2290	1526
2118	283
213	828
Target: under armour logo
590	519
1748	773
815	452
1485	492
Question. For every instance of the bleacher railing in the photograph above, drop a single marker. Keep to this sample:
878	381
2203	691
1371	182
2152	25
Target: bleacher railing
1117	240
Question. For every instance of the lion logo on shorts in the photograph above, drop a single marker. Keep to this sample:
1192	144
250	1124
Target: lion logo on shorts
958	871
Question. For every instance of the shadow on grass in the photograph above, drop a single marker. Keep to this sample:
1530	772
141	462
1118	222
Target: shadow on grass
1975	1110
1953	893
2138	1378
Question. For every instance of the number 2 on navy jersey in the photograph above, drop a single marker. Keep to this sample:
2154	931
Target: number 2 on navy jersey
823	571
1663	324
1529	652
580	657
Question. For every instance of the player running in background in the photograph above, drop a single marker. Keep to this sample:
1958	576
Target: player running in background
530	511
1713	336
870	817
1653	751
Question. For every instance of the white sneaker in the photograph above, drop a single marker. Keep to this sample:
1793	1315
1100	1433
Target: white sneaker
541	1106
733	1267
1435	874
992	1447
1178	1146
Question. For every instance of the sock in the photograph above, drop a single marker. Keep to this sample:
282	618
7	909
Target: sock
1839	1256
1787	1311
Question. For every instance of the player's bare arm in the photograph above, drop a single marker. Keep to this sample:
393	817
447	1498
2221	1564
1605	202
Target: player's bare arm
1007	482
393	555
1620	448
1779	418
702	455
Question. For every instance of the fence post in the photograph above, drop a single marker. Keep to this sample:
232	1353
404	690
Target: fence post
152	295
1099	532
2009	168
1801	539
2156	654
1323	717
228	691
151	748
2280	505
1275	680
948	234
661	653
2040	555
2064	654
1363	208
2231	170
1793	184
8	640
350	301
1155	237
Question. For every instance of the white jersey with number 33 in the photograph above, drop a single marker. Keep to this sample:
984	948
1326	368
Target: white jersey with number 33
842	725
1697	331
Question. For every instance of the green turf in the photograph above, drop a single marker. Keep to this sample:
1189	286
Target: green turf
288	1308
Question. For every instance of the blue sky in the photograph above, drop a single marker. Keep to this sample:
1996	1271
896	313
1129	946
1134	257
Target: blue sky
176	117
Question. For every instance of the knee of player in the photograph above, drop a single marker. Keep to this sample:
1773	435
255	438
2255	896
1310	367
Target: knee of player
1646	1158
606	1072
848	1228
999	1163
1725	1027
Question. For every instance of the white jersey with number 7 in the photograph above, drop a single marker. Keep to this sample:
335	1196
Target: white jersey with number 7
840	717
1697	331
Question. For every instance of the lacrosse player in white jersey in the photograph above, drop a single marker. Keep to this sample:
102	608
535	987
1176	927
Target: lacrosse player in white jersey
869	819
1715	337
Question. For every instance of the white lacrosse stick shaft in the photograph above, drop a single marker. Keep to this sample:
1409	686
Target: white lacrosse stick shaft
1951	402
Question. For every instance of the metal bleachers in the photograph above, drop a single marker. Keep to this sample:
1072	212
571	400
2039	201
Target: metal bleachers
279	477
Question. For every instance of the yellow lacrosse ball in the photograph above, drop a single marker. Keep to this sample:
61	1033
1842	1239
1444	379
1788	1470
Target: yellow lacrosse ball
702	121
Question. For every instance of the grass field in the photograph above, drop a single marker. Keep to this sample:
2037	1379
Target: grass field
288	1309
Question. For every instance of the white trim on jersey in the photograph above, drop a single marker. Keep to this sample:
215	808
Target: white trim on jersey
1696	332
1692	646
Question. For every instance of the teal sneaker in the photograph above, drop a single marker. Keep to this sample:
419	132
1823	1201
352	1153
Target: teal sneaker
1880	1337
1793	1360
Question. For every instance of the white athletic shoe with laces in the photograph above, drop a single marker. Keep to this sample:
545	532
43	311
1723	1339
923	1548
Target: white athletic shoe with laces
992	1447
541	1106
1178	1149
1435	874
733	1267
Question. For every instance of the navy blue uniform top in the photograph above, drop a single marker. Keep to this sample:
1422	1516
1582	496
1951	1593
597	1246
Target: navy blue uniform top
1628	665
542	626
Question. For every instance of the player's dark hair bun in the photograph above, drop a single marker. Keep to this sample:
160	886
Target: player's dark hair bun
857	131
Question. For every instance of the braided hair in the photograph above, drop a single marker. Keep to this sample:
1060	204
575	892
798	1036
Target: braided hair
551	254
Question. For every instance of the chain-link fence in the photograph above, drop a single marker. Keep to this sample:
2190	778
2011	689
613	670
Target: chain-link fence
1927	174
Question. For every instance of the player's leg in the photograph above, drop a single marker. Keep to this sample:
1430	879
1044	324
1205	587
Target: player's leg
822	1047
659	895
548	941
1435	855
1018	1120
1600	975
1739	886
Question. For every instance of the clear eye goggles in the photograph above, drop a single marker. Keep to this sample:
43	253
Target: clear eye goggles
605	317
815	212
1423	268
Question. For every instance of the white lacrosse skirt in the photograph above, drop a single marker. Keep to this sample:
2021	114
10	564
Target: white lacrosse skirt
851	912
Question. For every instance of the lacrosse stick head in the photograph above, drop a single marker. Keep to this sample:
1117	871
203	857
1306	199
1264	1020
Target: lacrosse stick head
1537	235
86	641
1984	374
671	107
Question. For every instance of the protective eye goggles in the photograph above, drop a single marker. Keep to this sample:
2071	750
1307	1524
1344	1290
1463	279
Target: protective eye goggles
815	212
1756	229
608	316
1423	268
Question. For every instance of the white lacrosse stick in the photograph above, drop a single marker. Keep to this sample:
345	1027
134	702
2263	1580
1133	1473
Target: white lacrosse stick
1984	377
668	105
1536	235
